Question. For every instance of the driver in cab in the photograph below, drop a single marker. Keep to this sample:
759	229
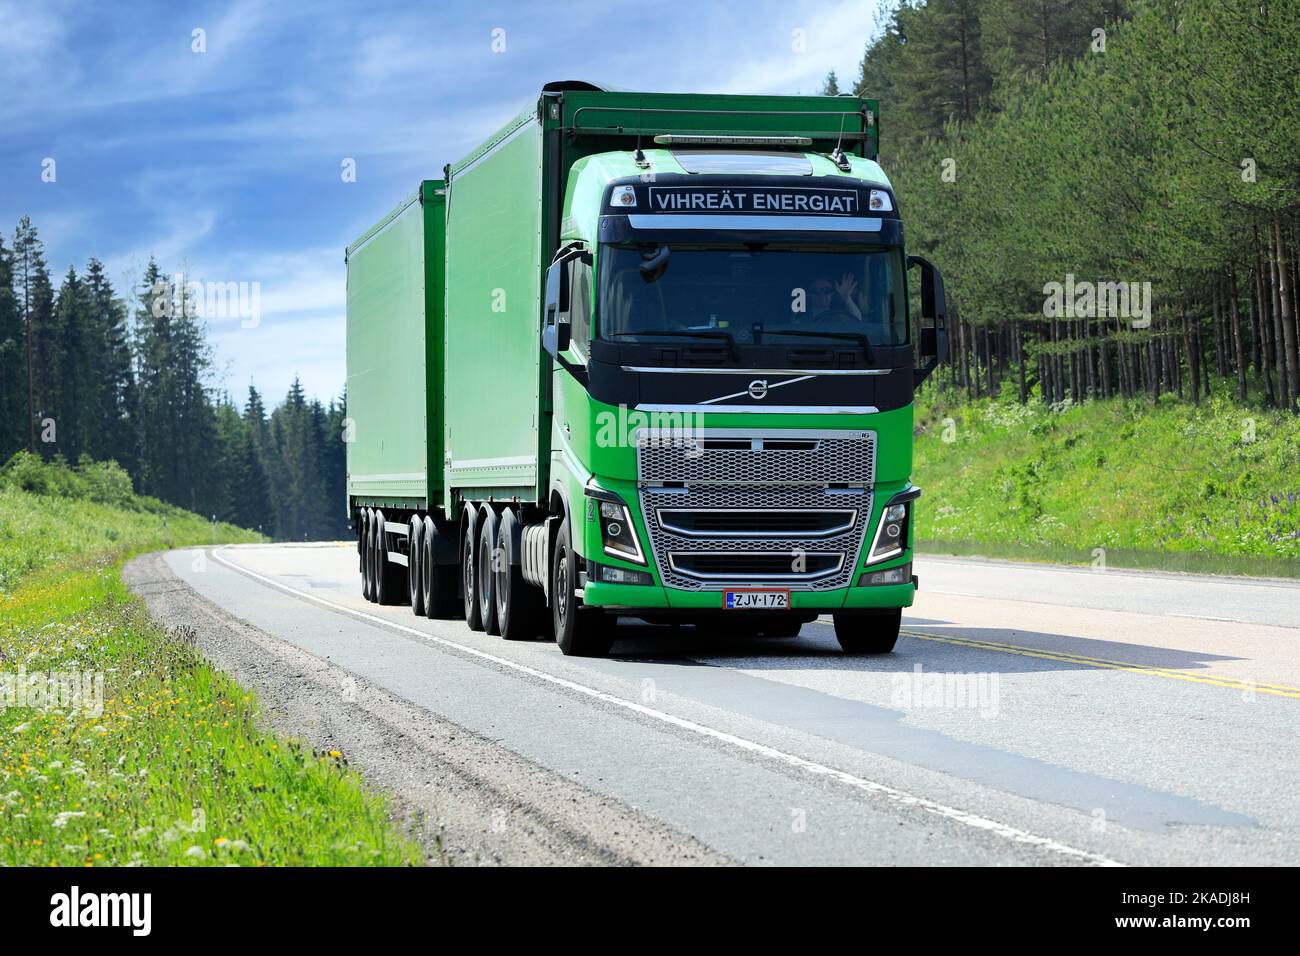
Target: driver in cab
828	299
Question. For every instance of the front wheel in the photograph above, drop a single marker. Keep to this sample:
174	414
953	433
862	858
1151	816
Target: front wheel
579	631
868	633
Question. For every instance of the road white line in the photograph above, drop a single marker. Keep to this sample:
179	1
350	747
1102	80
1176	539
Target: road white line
1014	834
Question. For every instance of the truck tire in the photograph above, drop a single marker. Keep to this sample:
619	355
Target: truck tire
579	631
359	525
519	604
437	581
387	576
415	555
367	555
468	575
871	632
488	558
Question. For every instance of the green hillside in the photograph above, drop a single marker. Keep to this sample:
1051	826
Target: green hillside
1213	488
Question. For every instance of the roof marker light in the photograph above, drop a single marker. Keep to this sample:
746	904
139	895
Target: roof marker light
682	139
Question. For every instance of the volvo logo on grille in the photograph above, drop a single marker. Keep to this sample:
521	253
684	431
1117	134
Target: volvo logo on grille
758	389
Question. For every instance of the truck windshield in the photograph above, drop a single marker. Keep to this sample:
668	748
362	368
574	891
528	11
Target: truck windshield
754	294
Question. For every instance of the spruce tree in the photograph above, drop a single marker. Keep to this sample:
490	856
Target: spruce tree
36	306
13	374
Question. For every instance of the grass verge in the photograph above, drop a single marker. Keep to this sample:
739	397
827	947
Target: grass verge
1184	562
168	763
1209	489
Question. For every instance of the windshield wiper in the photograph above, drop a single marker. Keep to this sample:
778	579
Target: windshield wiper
813	333
690	334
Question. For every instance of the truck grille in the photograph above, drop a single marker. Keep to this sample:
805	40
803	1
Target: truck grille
744	507
726	565
756	522
697	457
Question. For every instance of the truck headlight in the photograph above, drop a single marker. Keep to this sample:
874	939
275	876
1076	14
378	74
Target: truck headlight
891	534
617	533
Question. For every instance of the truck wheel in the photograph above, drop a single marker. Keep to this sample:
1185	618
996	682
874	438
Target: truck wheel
359	523
378	559
415	554
489	558
868	633
469	582
438	581
367	555
387	577
580	632
519	605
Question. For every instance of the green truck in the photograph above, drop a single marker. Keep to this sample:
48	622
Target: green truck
644	355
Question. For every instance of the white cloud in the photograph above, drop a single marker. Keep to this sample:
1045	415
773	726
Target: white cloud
834	37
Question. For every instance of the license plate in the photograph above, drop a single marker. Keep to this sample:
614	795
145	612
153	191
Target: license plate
755	599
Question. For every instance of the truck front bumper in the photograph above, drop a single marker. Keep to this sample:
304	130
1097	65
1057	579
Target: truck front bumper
631	598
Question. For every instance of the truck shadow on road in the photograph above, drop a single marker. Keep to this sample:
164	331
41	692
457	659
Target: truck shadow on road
938	644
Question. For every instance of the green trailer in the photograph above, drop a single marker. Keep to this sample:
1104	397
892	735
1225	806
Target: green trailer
644	355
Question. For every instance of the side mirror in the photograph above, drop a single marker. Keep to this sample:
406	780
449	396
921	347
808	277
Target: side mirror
556	331
932	339
654	264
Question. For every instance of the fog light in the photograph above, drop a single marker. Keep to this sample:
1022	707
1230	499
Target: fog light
610	575
899	575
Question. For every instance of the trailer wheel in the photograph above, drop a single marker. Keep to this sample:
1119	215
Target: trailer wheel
468	579
387	578
489	559
367	555
870	632
359	525
438	581
414	555
519	604
579	631
378	558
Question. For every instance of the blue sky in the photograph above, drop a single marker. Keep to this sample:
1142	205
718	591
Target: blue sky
227	163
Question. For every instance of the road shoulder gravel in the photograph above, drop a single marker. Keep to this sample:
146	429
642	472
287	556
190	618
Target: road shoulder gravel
468	800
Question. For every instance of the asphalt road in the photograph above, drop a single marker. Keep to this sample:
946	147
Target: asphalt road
1029	715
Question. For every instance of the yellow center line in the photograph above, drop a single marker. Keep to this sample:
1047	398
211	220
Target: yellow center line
1276	690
